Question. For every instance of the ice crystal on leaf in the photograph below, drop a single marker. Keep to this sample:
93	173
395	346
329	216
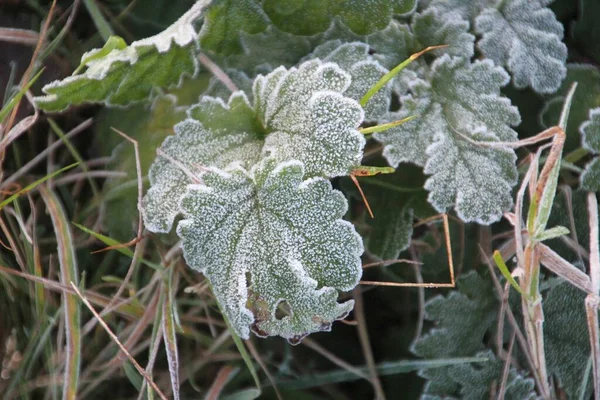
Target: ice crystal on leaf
130	74
459	101
590	132
433	28
525	37
282	232
364	71
298	114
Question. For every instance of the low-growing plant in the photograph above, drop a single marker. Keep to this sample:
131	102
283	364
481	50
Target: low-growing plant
290	145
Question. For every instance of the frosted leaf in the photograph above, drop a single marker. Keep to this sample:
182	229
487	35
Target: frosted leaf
459	99
127	75
308	118
590	133
467	9
525	37
284	235
365	72
298	114
212	135
216	88
389	46
433	28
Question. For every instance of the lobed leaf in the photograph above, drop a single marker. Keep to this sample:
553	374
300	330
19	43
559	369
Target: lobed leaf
525	37
462	321
264	237
129	75
298	114
590	133
459	100
310	17
468	10
432	28
364	70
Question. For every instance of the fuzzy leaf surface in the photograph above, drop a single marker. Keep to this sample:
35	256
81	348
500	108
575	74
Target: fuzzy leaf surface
590	133
364	71
459	98
525	37
309	17
298	114
468	10
286	234
566	338
434	28
462	319
130	75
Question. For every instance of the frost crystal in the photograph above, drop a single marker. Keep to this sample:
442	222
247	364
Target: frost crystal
365	72
462	102
525	36
266	237
298	114
124	76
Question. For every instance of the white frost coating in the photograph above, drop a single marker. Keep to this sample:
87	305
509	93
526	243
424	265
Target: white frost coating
590	134
364	71
181	32
215	138
433	27
460	99
525	36
286	234
307	118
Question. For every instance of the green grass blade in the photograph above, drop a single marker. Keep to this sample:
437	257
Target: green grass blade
506	273
31	186
101	23
118	246
385	127
61	134
388	368
15	100
390	75
169	334
68	274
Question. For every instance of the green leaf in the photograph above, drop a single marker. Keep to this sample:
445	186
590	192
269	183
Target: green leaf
459	99
225	20
586	31
566	338
462	320
266	237
129	75
590	133
433	28
271	48
309	17
298	114
586	97
552	233
391	197
467	10
364	70
525	37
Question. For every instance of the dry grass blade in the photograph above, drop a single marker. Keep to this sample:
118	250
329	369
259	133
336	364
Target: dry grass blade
223	376
452	282
170	336
363	335
116	340
262	364
592	300
333	358
20	36
68	273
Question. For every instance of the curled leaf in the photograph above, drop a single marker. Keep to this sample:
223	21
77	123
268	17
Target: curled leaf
265	237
